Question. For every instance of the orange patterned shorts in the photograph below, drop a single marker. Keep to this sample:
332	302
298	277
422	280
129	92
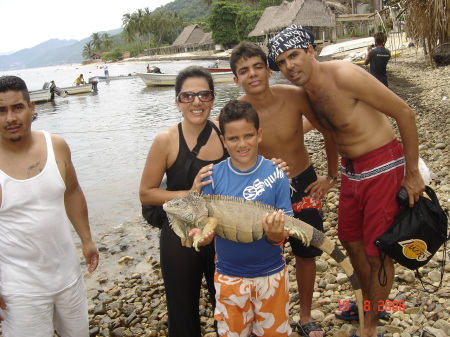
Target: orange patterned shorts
257	305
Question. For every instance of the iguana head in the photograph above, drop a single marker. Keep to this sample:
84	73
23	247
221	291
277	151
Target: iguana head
185	213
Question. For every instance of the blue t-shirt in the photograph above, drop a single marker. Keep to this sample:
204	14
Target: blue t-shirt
267	184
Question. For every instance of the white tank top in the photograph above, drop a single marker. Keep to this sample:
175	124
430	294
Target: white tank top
37	253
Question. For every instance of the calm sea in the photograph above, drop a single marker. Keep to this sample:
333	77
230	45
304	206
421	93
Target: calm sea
111	132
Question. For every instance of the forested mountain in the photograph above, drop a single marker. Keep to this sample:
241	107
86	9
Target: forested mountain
189	9
57	52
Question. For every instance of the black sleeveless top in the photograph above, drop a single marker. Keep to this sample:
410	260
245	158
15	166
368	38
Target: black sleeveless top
176	174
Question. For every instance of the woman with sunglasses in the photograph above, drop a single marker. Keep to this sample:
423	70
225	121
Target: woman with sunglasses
183	267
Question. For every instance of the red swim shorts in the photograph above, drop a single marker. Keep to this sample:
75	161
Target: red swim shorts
369	186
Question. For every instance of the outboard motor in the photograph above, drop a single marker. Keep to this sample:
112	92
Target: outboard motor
94	82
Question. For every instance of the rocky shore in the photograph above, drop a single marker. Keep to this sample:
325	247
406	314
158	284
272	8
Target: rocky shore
126	292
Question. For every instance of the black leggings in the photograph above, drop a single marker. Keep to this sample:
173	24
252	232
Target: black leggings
182	269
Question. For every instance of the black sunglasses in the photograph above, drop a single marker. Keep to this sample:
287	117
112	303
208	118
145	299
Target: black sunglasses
189	96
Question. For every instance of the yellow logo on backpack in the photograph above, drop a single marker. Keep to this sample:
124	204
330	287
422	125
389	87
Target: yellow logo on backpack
415	249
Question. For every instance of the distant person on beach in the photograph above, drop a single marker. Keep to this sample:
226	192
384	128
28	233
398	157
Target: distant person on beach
354	106
251	279
80	80
105	67
41	281
378	56
280	109
182	267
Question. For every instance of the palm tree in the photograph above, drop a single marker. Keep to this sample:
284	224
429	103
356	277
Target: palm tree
163	24
107	41
147	27
88	50
96	42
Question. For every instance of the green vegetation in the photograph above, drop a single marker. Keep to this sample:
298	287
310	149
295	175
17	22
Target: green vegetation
97	45
230	22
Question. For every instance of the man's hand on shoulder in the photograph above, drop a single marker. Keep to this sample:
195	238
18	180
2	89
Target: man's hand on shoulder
320	187
282	165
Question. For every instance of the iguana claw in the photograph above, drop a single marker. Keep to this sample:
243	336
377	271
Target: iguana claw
209	224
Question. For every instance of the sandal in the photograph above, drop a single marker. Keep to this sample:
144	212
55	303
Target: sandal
349	315
307	328
352	314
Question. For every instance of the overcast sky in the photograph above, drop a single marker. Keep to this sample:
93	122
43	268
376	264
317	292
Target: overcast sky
27	23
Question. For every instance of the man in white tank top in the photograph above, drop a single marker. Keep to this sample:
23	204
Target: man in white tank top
41	284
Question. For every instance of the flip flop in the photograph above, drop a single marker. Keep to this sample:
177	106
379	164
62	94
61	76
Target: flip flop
307	328
352	314
349	315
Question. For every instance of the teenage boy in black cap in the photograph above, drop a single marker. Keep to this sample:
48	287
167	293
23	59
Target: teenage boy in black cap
353	105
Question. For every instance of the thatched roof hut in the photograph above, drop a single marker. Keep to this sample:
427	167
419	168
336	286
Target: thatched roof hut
311	13
190	35
206	39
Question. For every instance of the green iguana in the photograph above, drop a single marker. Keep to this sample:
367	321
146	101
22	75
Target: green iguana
240	220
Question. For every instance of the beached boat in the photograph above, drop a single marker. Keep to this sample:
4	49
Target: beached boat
346	46
40	96
151	79
360	62
77	89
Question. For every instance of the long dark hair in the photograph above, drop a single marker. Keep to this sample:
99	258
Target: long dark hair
192	71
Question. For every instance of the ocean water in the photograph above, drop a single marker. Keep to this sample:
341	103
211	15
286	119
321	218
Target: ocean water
110	132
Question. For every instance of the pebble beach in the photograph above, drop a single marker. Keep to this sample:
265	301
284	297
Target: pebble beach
126	292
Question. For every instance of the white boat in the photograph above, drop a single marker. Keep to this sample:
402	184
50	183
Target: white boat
39	96
77	89
223	77
151	79
112	78
346	46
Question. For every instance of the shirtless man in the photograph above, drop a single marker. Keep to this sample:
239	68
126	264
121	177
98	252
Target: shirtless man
353	105
280	109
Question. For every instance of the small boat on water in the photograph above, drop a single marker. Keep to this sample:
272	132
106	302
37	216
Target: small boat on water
77	89
219	70
346	46
113	78
151	79
40	96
